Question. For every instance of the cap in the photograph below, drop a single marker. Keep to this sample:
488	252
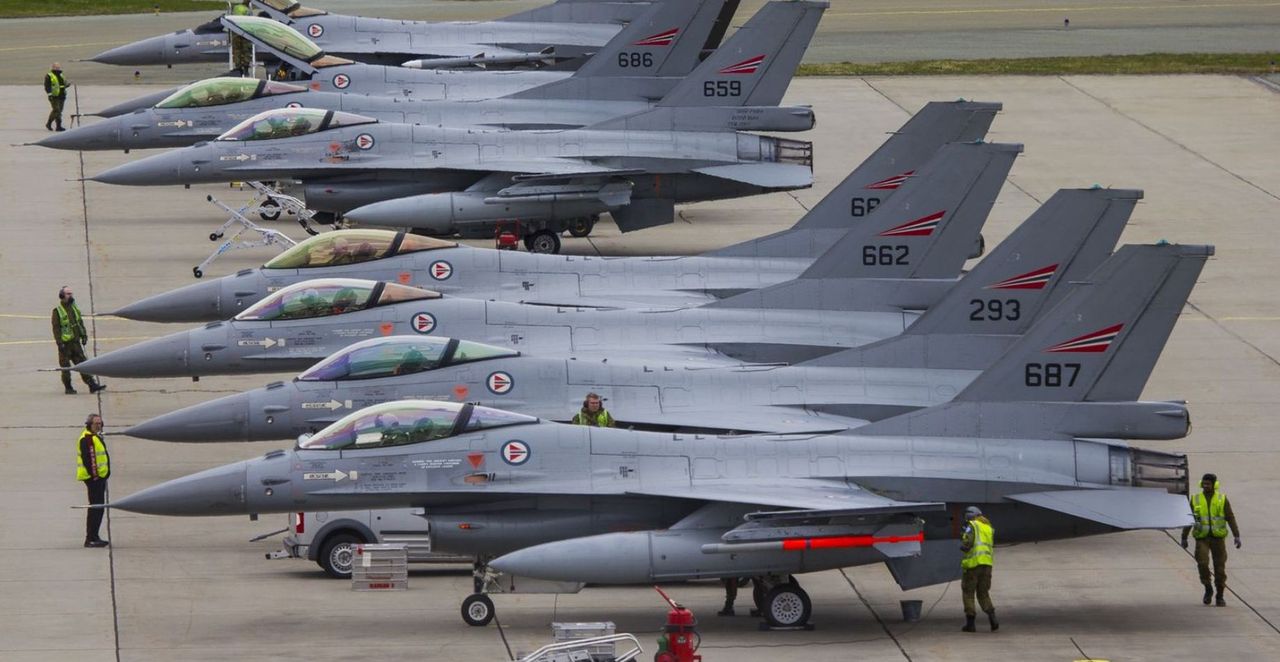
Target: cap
1212	477
972	511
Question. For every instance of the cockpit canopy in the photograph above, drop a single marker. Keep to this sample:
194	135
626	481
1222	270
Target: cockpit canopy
409	422
330	249
287	122
220	91
278	36
325	297
399	355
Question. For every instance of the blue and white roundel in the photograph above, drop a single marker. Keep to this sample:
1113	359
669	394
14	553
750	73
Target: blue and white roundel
499	383
515	453
315	30
342	81
364	141
423	323
441	270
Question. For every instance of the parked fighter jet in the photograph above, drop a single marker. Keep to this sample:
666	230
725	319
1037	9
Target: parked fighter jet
1062	242
905	160
206	109
545	501
305	322
564	29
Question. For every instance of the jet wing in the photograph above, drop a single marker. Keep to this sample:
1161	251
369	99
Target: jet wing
1123	508
780	420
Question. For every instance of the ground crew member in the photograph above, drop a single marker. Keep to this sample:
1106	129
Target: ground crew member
978	544
55	86
71	337
1213	515
93	468
241	49
594	413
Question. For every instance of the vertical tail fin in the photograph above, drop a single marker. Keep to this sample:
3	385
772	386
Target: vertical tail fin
665	41
582	11
755	66
1065	240
872	183
1101	342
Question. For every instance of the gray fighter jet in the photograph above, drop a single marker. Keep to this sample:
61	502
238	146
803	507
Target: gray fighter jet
564	29
552	502
905	160
206	109
923	254
1068	238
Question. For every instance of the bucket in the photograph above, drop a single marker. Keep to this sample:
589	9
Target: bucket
911	610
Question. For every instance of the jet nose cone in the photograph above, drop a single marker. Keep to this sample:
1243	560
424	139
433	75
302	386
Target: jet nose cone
224	419
198	302
218	491
139	53
158	357
96	136
156	170
144	101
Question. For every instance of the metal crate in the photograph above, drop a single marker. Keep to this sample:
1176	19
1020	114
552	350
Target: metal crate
380	568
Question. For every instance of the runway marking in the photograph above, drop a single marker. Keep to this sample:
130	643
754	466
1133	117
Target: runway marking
43	48
1059	10
50	341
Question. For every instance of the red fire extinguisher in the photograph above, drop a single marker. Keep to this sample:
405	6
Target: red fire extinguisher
680	639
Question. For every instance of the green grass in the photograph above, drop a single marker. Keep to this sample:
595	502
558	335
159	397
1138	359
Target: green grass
1151	63
30	8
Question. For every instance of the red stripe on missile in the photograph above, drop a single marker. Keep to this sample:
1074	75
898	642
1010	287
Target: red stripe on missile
841	542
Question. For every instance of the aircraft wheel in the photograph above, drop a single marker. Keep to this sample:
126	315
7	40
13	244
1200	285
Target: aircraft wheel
214	236
582	227
197	272
477	610
269	210
338	555
544	241
787	605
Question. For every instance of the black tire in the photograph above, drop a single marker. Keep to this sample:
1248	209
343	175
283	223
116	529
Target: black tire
582	227
477	610
214	236
787	605
544	241
337	555
269	210
195	271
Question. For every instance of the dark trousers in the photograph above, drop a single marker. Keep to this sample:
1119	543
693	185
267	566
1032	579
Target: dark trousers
1216	548
976	581
55	111
69	354
93	517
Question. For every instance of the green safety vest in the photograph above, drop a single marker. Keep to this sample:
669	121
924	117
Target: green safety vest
56	88
983	539
67	324
603	419
1211	516
100	458
240	10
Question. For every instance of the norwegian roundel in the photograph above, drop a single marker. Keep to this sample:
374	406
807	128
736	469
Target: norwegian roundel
364	141
515	453
342	81
500	383
423	322
315	30
441	270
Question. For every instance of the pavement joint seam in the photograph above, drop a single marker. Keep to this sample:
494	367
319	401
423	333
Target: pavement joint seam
883	626
1169	138
1235	335
1231	590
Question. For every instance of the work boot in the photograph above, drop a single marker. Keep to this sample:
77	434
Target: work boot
727	611
968	624
71	391
1208	594
59	128
991	618
96	386
1221	602
96	542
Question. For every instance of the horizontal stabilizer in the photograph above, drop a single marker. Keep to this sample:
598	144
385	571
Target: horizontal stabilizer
1128	508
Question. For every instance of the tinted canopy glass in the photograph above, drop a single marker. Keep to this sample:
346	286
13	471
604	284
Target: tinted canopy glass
337	248
288	122
213	92
399	355
408	422
330	296
277	36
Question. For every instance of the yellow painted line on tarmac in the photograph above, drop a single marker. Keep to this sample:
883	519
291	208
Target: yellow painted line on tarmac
1059	10
50	341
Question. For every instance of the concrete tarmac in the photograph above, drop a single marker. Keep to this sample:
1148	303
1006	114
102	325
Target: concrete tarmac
1203	148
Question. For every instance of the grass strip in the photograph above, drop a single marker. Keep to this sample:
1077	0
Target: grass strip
34	8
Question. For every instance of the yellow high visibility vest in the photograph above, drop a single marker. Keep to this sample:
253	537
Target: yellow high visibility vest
982	550
1211	515
56	88
100	457
602	419
67	324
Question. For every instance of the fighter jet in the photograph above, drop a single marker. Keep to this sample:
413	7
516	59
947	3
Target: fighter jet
305	322
1067	238
532	499
906	160
206	109
564	29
